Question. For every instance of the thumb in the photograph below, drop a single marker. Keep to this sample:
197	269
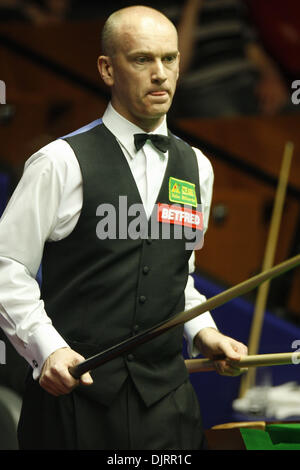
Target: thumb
86	379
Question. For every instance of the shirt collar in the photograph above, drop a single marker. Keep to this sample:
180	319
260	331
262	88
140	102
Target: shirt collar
124	130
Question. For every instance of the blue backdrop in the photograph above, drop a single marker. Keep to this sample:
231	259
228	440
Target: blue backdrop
4	190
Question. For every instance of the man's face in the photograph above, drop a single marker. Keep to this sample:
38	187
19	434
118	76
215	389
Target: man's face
144	72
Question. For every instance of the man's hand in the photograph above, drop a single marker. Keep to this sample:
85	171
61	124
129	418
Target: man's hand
272	94
271	89
55	377
212	343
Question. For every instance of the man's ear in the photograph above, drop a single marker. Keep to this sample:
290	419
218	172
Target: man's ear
105	69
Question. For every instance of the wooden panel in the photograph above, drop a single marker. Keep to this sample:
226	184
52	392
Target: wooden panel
32	127
259	141
224	439
28	82
234	247
73	45
47	103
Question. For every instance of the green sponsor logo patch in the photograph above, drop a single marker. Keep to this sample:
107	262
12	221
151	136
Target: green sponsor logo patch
182	192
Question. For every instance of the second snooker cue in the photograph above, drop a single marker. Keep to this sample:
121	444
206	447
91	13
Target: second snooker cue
248	380
256	360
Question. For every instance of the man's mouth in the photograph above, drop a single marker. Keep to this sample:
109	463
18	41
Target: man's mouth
162	94
158	98
158	93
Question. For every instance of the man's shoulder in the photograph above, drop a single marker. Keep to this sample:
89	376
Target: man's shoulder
83	129
203	160
54	156
58	151
53	152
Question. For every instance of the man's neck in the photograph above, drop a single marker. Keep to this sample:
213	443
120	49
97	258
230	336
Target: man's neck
150	125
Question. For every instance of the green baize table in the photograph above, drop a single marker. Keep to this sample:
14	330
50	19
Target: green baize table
274	436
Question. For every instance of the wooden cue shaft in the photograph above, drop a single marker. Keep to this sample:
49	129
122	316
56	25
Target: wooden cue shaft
256	360
248	379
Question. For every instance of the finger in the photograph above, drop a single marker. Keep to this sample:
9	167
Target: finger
233	370
64	377
226	368
52	390
221	367
51	387
56	380
56	389
229	371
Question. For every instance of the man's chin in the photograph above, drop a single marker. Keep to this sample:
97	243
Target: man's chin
158	110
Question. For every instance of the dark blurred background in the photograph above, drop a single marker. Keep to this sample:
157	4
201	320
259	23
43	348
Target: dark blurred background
239	62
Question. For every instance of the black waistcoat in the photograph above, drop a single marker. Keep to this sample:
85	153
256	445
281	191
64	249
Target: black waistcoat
100	292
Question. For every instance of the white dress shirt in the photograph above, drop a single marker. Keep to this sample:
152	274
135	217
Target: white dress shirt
45	207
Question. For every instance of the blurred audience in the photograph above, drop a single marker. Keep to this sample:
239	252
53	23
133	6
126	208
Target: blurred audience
225	71
279	29
37	12
43	12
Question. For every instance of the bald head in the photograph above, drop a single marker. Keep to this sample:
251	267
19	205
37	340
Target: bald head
140	64
126	21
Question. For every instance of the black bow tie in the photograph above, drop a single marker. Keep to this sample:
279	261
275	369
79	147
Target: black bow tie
161	142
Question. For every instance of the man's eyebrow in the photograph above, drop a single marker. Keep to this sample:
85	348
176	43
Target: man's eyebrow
149	53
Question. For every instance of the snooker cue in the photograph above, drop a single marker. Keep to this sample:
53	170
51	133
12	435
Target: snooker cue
255	360
179	319
248	380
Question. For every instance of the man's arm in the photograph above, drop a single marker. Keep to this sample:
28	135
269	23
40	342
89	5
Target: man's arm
202	334
186	32
192	299
26	224
203	337
192	295
271	90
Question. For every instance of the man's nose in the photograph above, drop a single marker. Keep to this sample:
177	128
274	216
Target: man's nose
158	72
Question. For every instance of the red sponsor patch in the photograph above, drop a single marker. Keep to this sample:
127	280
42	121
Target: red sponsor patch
180	216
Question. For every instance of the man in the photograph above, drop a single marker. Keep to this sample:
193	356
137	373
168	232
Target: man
224	64
99	290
